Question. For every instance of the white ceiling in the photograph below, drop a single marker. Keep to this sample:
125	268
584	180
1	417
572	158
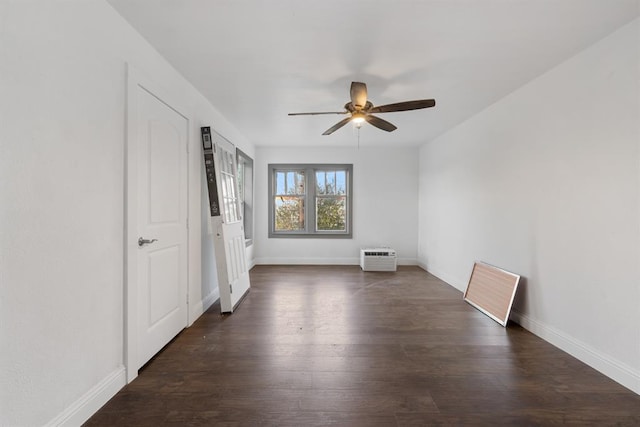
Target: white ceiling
257	60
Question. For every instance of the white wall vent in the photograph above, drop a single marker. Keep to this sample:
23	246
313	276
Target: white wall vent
378	259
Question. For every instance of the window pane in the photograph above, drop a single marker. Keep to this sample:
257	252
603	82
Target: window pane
290	182
341	182
225	186
232	187
331	182
241	179
233	210
331	214
280	181
298	183
289	213
320	182
229	158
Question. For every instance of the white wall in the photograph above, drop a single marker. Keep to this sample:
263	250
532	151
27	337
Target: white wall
62	136
545	183
385	206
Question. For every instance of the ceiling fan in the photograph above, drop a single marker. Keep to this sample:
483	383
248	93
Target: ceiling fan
361	110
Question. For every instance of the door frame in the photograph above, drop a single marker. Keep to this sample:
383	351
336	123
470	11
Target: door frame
134	80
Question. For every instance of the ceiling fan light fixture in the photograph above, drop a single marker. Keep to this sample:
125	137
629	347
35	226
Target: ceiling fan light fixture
357	118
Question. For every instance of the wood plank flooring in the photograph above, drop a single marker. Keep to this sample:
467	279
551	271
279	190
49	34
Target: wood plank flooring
332	345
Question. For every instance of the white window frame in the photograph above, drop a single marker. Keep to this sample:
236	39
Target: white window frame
310	170
245	189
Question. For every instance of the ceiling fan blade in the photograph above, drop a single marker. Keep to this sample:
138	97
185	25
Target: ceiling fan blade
358	94
317	113
337	126
379	123
404	106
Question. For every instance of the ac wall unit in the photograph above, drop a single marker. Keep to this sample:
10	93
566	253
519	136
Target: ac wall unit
378	259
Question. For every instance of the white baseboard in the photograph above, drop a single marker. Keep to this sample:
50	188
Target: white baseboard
307	261
202	306
210	299
610	367
455	282
82	409
195	312
617	371
323	261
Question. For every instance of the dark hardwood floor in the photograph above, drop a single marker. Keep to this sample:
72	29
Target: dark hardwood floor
332	345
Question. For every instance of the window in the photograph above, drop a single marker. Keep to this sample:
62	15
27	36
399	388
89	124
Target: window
310	200
245	190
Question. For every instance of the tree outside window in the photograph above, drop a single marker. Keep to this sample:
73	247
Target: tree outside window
331	209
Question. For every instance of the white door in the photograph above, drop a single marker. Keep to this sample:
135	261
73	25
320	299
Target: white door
162	136
233	277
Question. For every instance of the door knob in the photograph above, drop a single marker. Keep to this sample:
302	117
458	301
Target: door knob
142	242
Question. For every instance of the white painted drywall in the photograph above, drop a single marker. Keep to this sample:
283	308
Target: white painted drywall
62	136
545	183
385	205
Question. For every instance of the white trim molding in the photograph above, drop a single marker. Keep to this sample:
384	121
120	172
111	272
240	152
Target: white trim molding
323	261
307	261
614	369
88	404
201	306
